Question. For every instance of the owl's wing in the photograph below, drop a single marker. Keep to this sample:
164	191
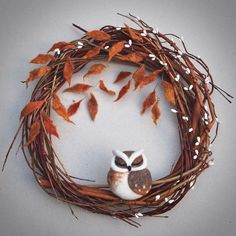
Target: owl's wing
140	181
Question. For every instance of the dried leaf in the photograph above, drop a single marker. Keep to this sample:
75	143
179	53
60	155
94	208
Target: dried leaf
93	52
99	35
43	59
78	88
123	91
169	92
134	57
149	78
68	70
133	34
49	125
155	112
149	101
92	107
59	108
37	73
103	87
138	75
34	131
122	75
60	45
73	108
116	48
95	69
30	107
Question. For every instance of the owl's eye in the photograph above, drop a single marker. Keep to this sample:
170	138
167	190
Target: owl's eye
120	162
138	161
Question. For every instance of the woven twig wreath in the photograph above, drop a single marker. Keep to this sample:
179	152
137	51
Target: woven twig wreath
187	85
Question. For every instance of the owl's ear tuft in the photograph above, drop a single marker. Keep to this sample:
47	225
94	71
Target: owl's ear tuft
116	152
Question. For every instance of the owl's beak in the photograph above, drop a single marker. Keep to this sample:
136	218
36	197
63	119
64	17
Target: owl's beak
129	168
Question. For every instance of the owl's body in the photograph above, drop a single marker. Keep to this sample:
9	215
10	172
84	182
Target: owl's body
129	178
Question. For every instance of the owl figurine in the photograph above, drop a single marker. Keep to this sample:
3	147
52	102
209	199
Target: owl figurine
128	176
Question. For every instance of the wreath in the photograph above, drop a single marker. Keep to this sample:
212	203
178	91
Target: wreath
187	85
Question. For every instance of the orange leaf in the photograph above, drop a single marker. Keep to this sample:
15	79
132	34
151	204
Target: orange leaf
99	35
93	52
43	59
103	87
149	101
34	131
60	45
49	125
78	88
169	92
116	48
149	78
95	69
155	112
92	107
73	108
133	34
59	108
37	73
134	57
30	107
68	70
123	91
122	75
138	75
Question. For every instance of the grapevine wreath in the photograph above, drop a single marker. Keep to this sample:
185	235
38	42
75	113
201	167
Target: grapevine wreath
187	85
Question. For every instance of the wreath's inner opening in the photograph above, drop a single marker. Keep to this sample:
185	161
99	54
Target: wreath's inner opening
85	149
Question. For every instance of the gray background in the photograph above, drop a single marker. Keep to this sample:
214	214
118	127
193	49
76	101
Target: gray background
30	27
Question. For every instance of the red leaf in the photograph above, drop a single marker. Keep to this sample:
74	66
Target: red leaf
30	107
92	107
134	57
122	75
138	75
59	108
73	108
68	70
116	48
99	35
123	91
60	45
43	59
103	87
149	101
78	88
93	52
95	69
49	125
34	132
133	34
149	78
155	112
169	92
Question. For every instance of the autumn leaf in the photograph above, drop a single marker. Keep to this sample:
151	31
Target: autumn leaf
133	34
149	78
60	45
68	70
99	35
95	69
43	59
37	73
149	101
134	57
34	132
169	92
122	75
59	108
138	75
123	91
49	125
155	112
93	52
30	107
103	87
116	48
73	108
92	107
78	88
